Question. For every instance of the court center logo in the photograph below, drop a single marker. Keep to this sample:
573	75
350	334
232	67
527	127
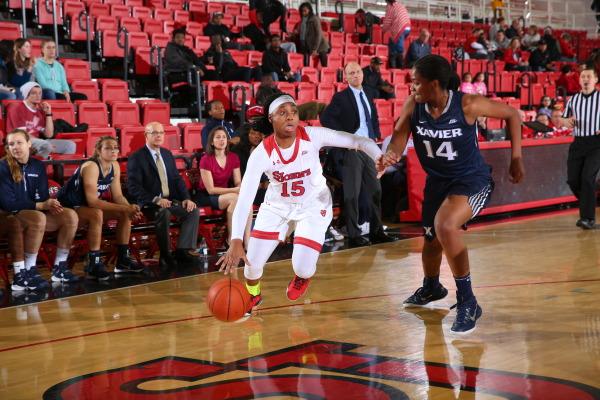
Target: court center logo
330	370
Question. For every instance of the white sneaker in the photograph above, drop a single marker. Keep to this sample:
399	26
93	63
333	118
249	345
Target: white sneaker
337	236
365	228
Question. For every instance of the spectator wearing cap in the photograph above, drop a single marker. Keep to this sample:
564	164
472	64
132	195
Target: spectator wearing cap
540	59
418	48
216	27
179	60
216	113
275	62
373	80
35	117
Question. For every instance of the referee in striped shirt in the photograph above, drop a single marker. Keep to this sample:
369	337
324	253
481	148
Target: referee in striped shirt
582	114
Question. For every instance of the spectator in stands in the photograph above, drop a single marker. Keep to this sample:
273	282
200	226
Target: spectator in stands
35	117
479	84
546	105
266	12
364	23
266	88
497	26
94	191
7	92
155	184
218	169
260	40
500	44
566	48
372	79
225	66
466	85
51	76
24	188
477	46
515	30
353	110
552	43
531	38
568	79
513	57
418	48
309	35
396	22
20	69
540	59
275	62
216	27
216	114
555	123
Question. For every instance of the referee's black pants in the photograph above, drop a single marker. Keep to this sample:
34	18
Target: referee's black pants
583	165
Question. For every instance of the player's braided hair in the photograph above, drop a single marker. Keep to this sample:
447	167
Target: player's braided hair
436	68
262	123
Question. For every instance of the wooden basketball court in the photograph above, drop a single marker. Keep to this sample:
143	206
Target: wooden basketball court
537	279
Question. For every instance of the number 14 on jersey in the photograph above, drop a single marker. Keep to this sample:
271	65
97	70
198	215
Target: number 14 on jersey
444	151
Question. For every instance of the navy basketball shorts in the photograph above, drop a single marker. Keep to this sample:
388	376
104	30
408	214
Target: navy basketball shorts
478	189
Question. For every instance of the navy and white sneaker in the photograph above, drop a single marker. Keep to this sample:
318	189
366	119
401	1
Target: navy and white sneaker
36	282
97	271
20	281
425	295
467	314
62	273
127	265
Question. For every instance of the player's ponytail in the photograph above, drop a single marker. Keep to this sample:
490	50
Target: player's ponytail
262	123
436	68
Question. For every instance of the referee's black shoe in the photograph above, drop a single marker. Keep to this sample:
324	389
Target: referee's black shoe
586	223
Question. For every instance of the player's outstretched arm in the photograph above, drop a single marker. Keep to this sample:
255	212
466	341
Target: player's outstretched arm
325	137
257	164
478	106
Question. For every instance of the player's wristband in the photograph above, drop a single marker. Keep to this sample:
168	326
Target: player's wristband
49	115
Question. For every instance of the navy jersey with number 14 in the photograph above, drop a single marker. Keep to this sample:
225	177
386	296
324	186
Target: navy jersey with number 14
447	146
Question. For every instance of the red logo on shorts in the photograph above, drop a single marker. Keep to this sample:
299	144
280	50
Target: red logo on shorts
323	212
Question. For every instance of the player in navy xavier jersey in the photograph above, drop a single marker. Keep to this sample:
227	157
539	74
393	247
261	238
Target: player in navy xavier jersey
459	183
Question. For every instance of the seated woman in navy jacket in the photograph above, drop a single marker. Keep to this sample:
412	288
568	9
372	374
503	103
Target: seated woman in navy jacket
87	191
24	192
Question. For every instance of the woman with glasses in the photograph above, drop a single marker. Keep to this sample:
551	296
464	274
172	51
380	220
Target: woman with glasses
94	191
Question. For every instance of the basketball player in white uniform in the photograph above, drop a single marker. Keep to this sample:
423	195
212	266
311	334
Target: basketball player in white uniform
297	193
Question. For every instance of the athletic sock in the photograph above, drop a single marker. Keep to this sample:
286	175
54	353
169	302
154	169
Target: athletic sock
431	282
18	266
61	256
463	286
254	290
30	260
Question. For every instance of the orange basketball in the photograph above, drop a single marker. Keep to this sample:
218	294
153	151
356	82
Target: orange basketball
228	300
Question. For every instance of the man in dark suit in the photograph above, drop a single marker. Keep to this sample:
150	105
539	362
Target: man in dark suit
156	185
352	110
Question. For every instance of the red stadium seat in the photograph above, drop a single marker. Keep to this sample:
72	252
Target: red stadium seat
131	139
63	110
174	4
233	9
218	91
75	31
142	61
237	101
143	13
93	113
310	74
156	112
132	24
386	127
213	7
106	23
71	7
384	108
114	90
9	31
306	92
172	138
194	28
44	17
80	139
120	11
254	58
160	39
296	61
181	16
401	91
125	114
98	10
399	76
163	14
152	26
89	88
76	69
138	39
192	136
287	87
328	75
325	92
334	61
